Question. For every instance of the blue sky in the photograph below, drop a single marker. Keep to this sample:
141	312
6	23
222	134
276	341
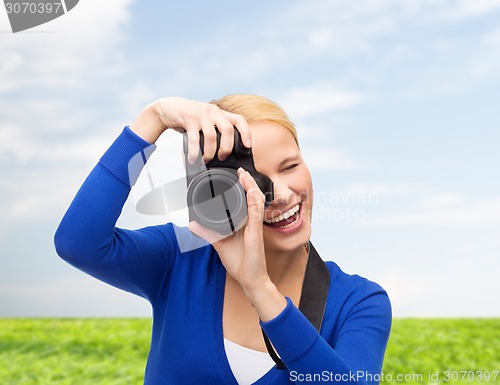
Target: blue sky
396	105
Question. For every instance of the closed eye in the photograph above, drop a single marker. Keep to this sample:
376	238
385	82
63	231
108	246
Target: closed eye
289	167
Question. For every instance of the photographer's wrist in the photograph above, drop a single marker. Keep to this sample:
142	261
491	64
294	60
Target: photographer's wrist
267	301
148	124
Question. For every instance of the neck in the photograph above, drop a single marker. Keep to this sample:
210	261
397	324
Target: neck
283	265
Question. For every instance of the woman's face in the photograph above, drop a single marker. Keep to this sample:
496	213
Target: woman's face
287	220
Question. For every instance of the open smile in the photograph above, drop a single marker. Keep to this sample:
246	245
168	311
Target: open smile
287	220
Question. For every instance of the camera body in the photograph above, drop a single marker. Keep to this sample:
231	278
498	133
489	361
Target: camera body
215	198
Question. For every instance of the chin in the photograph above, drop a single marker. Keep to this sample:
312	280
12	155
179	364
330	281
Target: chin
286	245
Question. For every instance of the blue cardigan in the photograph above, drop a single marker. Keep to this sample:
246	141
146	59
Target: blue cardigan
186	291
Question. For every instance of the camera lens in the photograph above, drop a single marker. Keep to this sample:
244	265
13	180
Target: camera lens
217	200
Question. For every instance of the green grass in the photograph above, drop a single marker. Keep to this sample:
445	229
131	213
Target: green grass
459	346
114	351
73	351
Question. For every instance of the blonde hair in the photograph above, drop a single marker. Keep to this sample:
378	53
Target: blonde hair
254	108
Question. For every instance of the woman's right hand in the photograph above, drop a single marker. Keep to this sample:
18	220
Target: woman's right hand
185	115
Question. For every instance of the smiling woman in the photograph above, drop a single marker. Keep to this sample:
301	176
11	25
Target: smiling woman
219	308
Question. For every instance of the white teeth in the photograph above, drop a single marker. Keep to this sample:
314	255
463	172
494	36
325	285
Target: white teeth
285	215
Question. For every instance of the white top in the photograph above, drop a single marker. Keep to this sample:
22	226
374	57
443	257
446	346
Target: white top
247	365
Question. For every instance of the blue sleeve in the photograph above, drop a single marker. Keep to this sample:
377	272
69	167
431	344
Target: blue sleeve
354	356
137	261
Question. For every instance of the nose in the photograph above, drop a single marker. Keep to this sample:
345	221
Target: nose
282	193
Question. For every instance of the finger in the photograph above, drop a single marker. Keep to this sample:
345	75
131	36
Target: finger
210	236
193	144
247	180
226	130
241	124
255	198
209	140
255	206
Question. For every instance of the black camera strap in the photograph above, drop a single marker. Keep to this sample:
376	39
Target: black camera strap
312	298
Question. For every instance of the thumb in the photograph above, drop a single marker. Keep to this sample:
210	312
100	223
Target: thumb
255	203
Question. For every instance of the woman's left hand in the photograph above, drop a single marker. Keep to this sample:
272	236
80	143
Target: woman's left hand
243	254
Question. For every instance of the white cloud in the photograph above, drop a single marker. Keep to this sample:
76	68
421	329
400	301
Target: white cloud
376	32
71	296
386	188
80	40
464	9
485	213
338	29
307	131
442	200
30	196
492	38
321	38
137	96
306	101
462	291
318	158
17	146
44	77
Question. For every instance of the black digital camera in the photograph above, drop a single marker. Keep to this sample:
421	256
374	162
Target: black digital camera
215	198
